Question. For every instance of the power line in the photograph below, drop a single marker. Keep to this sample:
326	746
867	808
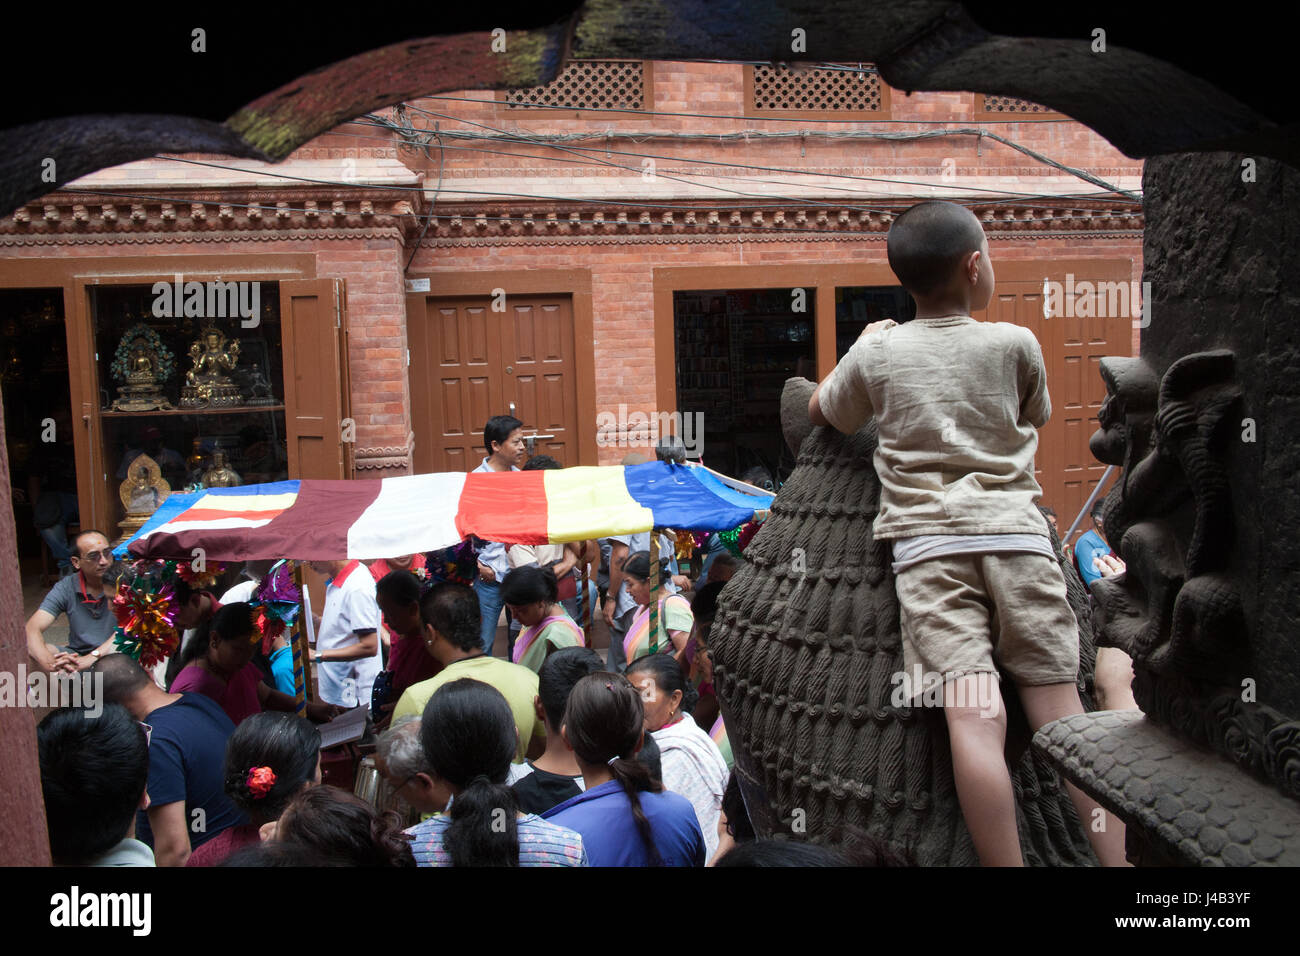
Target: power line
468	135
546	139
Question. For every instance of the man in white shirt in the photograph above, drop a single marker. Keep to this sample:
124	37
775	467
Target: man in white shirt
347	642
504	442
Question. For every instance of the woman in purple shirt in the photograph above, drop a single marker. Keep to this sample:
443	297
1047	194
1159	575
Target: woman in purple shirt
625	816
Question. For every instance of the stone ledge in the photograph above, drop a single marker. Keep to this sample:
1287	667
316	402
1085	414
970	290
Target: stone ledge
1190	806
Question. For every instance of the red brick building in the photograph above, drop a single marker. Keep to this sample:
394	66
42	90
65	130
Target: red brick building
653	236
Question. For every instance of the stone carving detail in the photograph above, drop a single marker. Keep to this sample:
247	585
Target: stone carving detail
1177	611
807	643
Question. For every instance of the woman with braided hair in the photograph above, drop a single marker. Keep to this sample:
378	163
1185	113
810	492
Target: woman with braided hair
469	739
270	759
625	816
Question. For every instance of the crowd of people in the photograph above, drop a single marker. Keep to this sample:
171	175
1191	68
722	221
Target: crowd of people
547	754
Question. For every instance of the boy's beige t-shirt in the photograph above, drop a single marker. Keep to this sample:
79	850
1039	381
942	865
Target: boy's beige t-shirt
957	404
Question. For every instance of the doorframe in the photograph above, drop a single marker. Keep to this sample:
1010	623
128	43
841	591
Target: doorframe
575	283
824	279
75	276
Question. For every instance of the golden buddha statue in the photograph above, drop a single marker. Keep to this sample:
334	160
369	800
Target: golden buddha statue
221	475
142	492
139	365
207	384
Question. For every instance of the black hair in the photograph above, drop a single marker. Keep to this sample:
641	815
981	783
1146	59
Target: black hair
1097	506
705	604
1047	511
498	429
286	743
668	677
670	448
343	827
637	565
232	622
530	584
452	610
652	757
928	241
123	677
469	739
400	585
782	853
93	773
76	542
541	463
603	723
276	854
183	591
737	814
559	672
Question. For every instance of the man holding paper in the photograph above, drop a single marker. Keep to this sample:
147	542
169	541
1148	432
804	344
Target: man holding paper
347	645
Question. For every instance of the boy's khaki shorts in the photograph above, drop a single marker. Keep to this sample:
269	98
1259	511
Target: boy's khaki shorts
962	613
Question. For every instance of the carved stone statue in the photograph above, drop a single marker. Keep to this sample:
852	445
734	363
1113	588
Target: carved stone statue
141	493
207	384
805	654
221	475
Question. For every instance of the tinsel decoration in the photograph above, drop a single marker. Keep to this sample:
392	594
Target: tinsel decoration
737	539
458	564
275	604
146	616
198	580
685	547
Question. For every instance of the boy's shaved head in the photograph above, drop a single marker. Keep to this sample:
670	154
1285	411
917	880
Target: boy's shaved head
928	241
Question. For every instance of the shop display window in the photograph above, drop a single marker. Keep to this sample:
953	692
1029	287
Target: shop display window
201	395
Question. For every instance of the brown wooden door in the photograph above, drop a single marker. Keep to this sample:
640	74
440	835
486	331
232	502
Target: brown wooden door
1072	350
469	363
313	315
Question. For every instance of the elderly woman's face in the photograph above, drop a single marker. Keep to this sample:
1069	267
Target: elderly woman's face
528	614
660	707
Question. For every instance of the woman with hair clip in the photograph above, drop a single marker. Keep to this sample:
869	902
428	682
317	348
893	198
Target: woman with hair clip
270	759
469	739
533	596
692	764
625	816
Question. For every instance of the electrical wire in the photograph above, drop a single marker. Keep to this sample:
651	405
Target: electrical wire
548	139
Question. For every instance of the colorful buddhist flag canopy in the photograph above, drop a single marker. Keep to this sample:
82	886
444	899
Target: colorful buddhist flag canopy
378	518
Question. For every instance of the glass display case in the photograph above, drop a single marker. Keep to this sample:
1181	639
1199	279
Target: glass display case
202	396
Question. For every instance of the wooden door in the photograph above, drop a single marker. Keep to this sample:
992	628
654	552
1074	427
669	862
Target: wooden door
1073	347
313	316
469	363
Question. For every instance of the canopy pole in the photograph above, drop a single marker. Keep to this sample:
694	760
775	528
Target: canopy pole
654	591
298	641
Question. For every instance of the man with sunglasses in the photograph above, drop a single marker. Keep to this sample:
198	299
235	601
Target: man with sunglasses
86	598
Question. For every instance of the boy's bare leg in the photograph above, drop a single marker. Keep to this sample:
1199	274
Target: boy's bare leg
1044	704
1114	680
978	732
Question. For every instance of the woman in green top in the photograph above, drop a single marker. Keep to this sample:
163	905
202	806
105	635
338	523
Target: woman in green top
675	618
533	596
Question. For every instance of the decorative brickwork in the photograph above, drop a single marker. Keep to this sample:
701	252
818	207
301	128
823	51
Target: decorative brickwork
586	85
821	89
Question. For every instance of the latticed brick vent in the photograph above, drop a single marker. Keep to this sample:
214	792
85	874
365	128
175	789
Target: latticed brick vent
1009	104
586	85
830	90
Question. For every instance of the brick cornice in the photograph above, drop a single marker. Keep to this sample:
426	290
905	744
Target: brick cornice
224	214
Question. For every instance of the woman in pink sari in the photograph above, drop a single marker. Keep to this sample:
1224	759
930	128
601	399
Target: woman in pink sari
675	618
532	595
